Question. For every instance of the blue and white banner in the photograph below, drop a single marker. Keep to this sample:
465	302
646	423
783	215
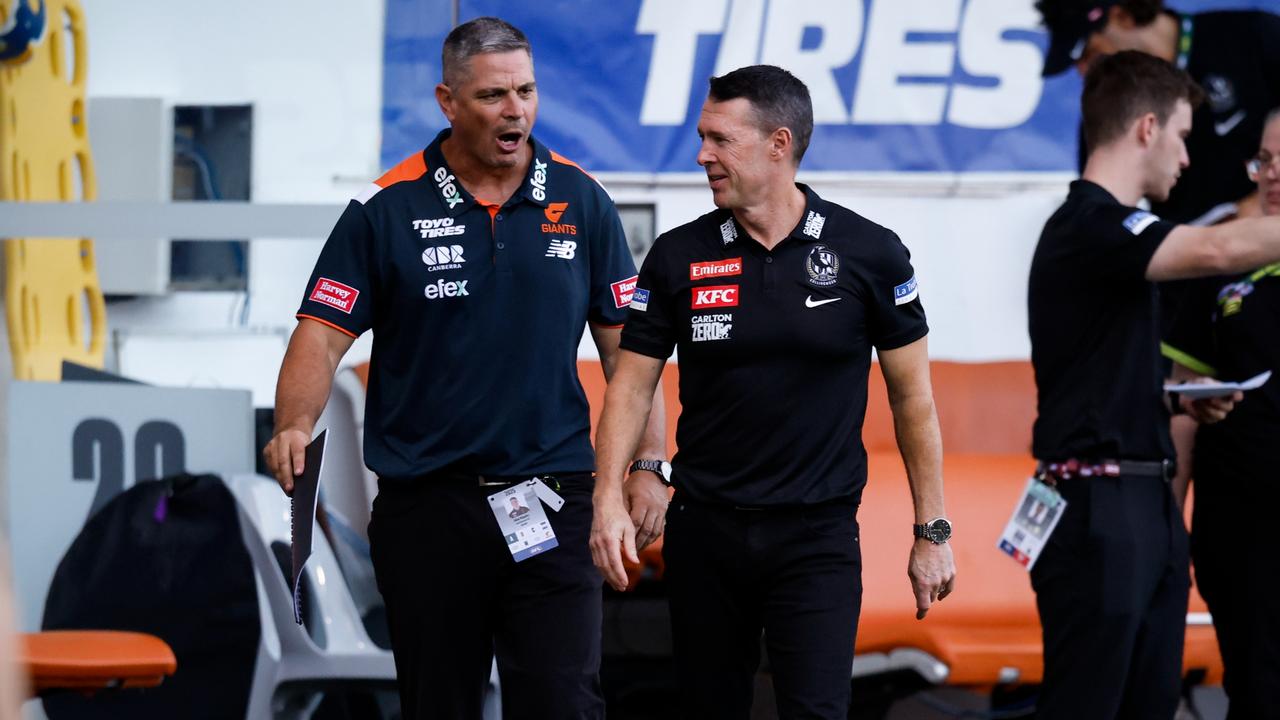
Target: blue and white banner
897	85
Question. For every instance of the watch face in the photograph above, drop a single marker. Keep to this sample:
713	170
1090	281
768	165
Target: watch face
939	530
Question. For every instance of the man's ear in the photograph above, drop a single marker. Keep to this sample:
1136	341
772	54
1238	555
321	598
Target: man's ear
1145	128
780	142
444	98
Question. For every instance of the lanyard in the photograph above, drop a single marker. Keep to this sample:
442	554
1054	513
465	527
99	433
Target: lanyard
1184	43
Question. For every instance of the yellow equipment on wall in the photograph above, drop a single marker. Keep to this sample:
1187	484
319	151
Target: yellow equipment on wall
51	284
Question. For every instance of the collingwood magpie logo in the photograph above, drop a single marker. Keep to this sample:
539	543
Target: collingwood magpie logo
822	264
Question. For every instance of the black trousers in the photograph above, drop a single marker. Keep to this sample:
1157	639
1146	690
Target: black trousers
795	574
455	598
1232	545
1111	588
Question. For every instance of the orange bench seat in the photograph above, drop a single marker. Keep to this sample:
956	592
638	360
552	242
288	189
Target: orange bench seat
91	660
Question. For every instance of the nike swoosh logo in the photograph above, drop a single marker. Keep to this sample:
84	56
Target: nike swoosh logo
809	302
1226	126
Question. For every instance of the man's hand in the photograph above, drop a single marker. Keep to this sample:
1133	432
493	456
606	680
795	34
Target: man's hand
647	498
284	456
612	535
932	570
1210	410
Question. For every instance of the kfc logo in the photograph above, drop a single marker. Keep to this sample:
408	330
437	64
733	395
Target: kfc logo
715	296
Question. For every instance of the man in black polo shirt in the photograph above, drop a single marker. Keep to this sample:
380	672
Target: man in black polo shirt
1112	583
476	263
775	300
1227	330
1234	55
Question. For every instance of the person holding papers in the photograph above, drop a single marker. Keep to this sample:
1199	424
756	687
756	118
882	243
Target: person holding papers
1228	331
1112	582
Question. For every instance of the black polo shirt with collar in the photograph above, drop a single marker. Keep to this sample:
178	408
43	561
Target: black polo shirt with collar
774	349
1095	340
1227	330
476	312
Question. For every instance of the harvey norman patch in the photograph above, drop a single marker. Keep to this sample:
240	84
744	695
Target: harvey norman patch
335	294
906	292
623	291
1138	221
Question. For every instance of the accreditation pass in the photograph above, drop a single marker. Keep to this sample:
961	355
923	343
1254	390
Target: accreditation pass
1034	518
522	519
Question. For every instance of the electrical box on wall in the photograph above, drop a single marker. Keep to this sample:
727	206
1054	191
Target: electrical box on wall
132	142
149	150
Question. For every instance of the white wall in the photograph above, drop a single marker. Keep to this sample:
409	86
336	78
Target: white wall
313	73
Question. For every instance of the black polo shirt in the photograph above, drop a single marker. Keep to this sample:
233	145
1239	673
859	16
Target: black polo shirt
775	347
476	312
1095	342
1228	329
1235	57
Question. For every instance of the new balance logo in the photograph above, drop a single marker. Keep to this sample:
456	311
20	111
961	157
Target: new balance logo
443	258
563	249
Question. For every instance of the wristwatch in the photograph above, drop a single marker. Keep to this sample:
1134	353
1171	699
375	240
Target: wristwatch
936	531
661	468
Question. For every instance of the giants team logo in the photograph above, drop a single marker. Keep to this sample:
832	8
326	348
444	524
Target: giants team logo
715	296
623	290
335	295
553	214
715	268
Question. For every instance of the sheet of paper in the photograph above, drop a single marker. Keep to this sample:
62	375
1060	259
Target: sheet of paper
1034	517
1217	389
302	509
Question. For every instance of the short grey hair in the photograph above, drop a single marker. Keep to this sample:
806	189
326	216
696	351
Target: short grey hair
477	37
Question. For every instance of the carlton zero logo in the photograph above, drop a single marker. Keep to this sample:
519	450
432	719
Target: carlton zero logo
715	268
623	290
710	327
448	191
715	296
553	213
335	294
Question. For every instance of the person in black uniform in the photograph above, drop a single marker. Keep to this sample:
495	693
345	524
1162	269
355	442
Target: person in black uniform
477	263
1227	330
1234	55
775	301
1112	583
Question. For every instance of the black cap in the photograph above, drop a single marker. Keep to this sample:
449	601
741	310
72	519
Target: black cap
1067	37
